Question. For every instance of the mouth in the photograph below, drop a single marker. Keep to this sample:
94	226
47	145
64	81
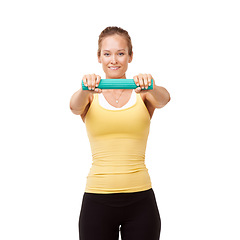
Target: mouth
114	68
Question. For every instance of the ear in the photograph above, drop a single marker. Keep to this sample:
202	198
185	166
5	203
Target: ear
130	58
99	59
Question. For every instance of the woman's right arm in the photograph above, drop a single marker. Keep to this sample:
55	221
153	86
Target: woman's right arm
81	98
79	101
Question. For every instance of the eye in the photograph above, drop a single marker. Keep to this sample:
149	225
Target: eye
121	54
106	54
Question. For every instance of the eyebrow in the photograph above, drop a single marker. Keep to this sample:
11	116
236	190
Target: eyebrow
118	50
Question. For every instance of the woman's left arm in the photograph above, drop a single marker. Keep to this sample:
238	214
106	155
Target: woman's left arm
158	96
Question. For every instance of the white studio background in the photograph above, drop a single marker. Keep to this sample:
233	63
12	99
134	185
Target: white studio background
190	47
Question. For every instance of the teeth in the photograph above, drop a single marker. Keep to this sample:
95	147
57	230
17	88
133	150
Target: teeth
114	67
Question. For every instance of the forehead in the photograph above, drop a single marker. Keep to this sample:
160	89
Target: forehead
114	42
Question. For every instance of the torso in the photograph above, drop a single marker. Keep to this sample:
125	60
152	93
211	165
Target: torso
122	101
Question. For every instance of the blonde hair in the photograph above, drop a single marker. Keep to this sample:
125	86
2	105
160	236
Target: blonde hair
111	31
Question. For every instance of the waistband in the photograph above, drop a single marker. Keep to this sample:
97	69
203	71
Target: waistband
118	199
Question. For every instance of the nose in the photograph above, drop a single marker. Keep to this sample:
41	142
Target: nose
114	59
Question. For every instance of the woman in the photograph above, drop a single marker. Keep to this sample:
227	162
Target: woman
118	194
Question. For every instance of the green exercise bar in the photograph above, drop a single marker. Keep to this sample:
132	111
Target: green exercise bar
117	84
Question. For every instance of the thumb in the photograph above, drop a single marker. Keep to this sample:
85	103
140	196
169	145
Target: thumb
98	90
137	90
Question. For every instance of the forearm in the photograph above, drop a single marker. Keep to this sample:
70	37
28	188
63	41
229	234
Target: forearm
159	96
79	100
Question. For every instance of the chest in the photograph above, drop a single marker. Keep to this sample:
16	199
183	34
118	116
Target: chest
118	100
121	101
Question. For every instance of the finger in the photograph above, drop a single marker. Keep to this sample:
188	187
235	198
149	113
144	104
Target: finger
140	79
84	80
135	78
149	79
93	80
88	79
138	89
98	80
145	80
98	90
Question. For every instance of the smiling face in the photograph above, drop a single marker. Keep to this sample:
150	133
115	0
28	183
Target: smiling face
114	56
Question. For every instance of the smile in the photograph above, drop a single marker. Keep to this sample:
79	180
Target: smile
114	68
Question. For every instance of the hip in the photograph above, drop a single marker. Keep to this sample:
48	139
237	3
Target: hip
118	183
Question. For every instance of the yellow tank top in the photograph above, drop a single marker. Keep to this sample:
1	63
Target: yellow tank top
118	140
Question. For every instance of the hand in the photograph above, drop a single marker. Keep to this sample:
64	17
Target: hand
143	81
92	81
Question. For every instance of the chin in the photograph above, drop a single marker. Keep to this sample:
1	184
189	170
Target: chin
116	75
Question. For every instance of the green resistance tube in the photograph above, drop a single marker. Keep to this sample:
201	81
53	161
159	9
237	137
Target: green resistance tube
117	84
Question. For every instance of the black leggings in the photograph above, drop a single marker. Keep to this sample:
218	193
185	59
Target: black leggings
135	215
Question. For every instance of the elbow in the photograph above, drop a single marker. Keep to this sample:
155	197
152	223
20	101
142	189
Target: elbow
169	98
164	103
74	111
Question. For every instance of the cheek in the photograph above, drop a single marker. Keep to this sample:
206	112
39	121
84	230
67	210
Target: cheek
125	62
104	62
